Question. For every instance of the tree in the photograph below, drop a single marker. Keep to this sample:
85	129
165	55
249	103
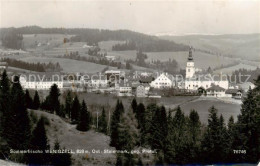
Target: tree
215	139
28	99
194	126
60	159
134	105
103	122
115	120
75	110
39	141
84	118
4	98
54	103
17	127
36	101
4	109
68	104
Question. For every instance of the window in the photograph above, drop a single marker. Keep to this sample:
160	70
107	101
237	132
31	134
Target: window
188	70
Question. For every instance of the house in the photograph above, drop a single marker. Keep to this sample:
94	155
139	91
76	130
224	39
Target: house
246	86
231	92
140	91
40	83
114	76
194	80
110	58
3	65
124	89
162	81
215	91
97	82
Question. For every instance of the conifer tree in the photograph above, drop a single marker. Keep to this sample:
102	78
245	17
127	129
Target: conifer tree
53	100
36	101
84	119
215	139
17	127
60	159
140	114
68	104
194	126
103	122
75	109
39	141
115	120
28	99
134	105
4	99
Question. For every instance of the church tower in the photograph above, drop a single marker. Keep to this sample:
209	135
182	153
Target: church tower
190	69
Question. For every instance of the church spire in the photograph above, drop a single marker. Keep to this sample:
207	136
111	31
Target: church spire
190	58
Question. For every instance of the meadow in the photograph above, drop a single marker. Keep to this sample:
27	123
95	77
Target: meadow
69	65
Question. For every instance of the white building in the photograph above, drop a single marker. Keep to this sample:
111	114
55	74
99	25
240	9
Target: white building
39	85
98	83
193	81
3	65
216	91
110	58
163	81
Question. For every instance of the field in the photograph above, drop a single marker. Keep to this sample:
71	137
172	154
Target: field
239	46
202	106
231	69
68	65
202	60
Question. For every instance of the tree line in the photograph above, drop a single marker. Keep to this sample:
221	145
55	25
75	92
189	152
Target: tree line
39	67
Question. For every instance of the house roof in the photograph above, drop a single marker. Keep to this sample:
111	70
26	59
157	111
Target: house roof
232	91
146	79
215	88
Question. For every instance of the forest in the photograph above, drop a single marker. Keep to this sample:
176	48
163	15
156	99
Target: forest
176	138
93	36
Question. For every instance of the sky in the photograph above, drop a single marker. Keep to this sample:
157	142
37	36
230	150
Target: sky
156	17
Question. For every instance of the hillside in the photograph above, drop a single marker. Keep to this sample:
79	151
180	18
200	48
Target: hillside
93	36
244	46
70	138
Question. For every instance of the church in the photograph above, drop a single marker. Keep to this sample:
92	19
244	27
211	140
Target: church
195	79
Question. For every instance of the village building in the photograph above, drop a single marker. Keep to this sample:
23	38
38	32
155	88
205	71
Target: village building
215	91
194	80
162	81
38	82
3	65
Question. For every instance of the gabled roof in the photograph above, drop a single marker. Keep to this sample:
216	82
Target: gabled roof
215	88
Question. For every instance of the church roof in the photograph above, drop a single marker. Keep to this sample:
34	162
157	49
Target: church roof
190	58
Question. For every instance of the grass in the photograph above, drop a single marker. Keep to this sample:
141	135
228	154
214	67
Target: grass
231	69
202	107
68	65
70	138
202	60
